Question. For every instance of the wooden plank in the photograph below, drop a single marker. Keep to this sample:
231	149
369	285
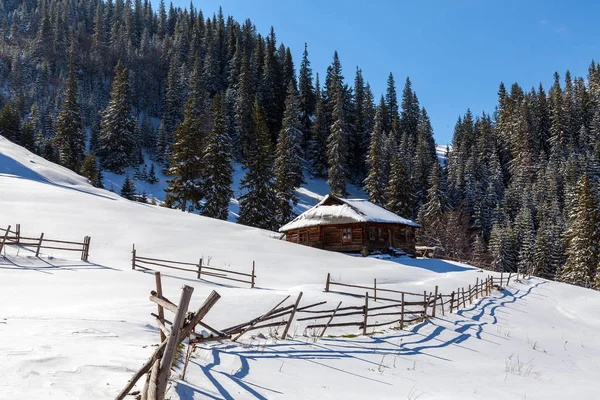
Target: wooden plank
162	328
259	319
336	325
140	260
165	303
289	323
167	261
366	313
327	315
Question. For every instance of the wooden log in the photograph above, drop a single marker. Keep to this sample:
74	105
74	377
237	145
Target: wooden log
133	257
508	280
452	302
348	314
302	309
162	328
369	288
435	296
145	368
470	295
328	281
200	269
424	303
289	323
476	288
339	324
259	319
165	303
330	319
501	277
18	233
4	238
442	303
161	313
366	313
210	301
173	340
463	296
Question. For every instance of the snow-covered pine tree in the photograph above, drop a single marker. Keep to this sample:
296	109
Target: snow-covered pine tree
89	169
152	179
258	201
375	183
582	236
307	97
317	146
128	190
70	136
337	148
10	126
288	157
185	190
217	163
399	192
118	125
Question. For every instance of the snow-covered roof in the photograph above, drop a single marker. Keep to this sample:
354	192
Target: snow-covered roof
344	211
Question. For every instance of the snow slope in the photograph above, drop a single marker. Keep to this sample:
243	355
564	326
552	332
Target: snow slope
71	329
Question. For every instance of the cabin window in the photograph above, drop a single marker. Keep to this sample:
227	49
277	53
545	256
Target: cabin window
372	233
347	234
303	237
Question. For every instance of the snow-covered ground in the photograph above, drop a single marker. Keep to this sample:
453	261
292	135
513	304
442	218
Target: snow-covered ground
71	329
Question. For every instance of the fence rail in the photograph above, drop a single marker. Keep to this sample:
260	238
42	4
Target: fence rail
199	269
9	237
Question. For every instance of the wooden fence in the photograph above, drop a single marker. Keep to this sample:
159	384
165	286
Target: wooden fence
199	269
14	237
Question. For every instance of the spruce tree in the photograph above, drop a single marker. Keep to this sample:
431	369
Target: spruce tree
582	237
218	169
399	192
375	183
70	136
307	97
258	201
317	147
10	126
128	189
152	179
337	148
118	125
89	169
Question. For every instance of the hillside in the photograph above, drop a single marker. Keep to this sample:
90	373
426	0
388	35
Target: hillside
71	329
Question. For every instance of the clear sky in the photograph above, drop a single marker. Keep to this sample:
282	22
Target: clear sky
456	52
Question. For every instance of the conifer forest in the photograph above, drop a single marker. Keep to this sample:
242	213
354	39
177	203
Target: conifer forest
104	85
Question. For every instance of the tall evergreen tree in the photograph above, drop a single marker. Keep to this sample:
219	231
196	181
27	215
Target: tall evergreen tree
218	169
118	125
258	201
307	96
375	183
337	148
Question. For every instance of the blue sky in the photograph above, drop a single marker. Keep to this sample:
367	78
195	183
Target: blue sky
455	52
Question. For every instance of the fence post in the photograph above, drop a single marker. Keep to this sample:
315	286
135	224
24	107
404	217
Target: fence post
167	359
86	247
289	323
501	277
442	304
37	253
452	302
424	303
463	294
18	233
4	238
200	268
470	295
253	277
476	288
435	296
508	280
133	257
366	312
161	313
375	289
327	283
402	312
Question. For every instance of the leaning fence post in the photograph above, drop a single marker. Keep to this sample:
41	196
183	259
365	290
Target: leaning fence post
463	294
435	296
37	253
200	268
293	313
4	238
173	341
327	283
253	276
366	312
330	319
133	257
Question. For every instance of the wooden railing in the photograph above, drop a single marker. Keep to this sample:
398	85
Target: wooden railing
14	237
199	269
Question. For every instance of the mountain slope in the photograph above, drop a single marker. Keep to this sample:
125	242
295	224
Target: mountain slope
70	329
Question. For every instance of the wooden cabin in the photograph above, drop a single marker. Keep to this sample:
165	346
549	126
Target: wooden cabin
351	225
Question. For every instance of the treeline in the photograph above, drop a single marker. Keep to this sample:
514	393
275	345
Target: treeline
121	83
521	186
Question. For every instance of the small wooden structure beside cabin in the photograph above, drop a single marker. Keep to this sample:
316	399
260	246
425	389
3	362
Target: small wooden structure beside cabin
351	225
